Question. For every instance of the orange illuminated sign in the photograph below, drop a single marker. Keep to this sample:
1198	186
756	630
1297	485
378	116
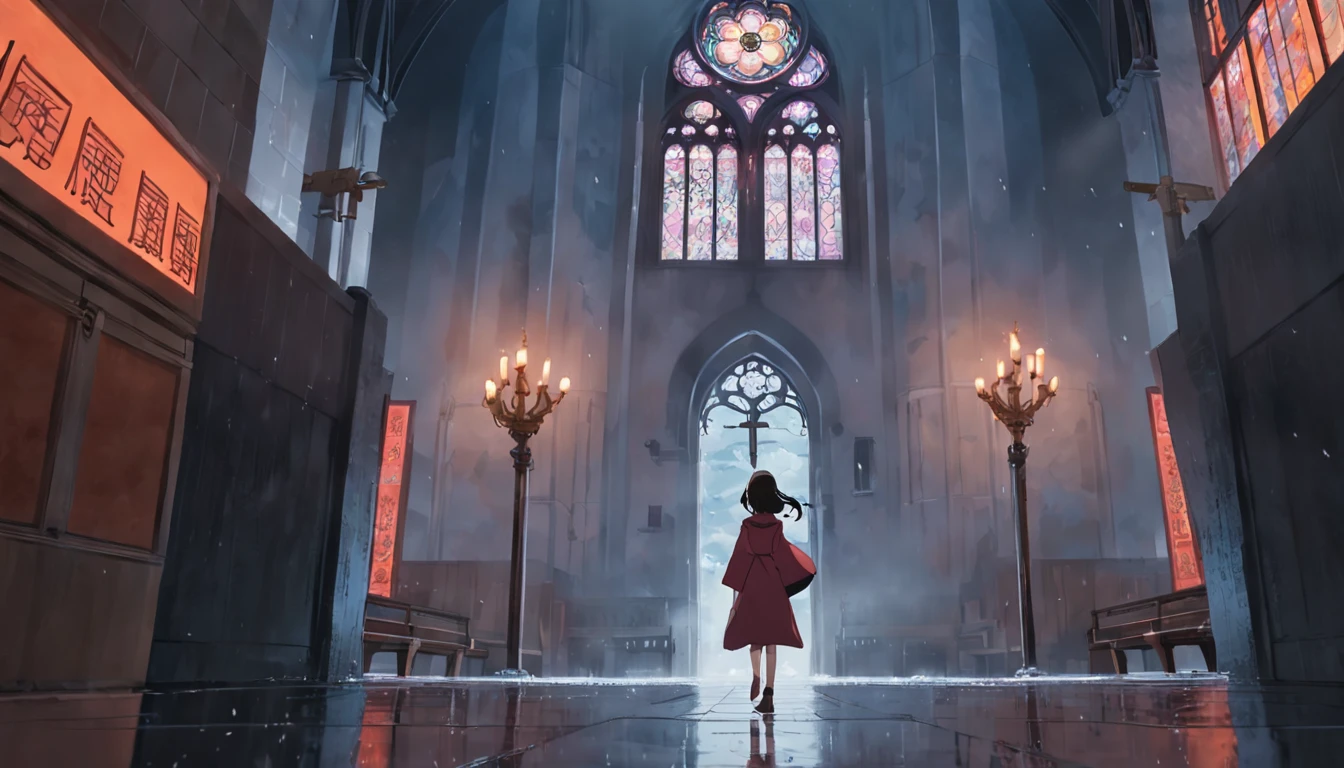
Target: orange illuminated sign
393	485
66	127
1186	569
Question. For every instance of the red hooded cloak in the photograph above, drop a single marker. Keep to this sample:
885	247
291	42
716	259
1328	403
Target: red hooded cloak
763	565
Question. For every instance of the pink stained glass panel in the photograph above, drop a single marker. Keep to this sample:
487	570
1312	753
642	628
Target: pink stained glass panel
831	245
751	104
776	204
811	71
674	202
1223	123
688	71
1331	13
700	217
802	188
726	209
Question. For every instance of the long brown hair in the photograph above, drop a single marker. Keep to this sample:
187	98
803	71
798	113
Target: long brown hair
763	497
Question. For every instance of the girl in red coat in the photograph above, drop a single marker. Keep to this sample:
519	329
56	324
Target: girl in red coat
764	571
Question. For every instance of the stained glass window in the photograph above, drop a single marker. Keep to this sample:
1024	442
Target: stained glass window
750	41
811	71
727	204
802	190
1331	14
1264	67
800	112
830	235
737	50
1245	111
700	223
804	211
688	72
1287	57
1213	19
674	202
701	112
700	187
776	204
751	104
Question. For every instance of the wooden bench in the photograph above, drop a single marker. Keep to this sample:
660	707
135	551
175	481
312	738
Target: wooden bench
408	630
1160	623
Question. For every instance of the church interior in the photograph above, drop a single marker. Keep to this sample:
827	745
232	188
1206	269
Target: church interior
382	382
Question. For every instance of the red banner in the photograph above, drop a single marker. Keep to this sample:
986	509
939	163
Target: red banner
393	486
1186	568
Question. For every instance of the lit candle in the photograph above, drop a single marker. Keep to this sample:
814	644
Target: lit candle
1054	385
1001	371
1031	367
980	386
490	391
1040	363
503	369
564	385
1014	348
546	372
521	359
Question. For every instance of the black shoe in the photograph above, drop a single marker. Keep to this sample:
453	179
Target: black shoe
755	687
767	705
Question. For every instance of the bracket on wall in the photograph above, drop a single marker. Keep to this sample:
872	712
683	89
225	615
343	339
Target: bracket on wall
659	455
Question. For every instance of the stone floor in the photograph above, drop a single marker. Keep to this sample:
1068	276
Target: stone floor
1199	721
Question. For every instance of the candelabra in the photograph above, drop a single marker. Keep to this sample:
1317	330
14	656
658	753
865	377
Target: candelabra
522	423
1017	416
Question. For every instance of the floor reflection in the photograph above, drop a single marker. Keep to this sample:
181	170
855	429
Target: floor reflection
1056	723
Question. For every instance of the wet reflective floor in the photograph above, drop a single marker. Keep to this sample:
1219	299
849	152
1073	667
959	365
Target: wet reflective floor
1100	722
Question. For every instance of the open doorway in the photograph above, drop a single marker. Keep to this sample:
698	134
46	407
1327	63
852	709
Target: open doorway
751	419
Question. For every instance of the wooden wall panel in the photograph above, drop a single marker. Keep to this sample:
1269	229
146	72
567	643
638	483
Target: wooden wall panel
100	635
32	344
124	454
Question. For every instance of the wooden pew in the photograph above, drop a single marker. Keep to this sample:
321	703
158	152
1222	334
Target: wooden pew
1160	623
408	630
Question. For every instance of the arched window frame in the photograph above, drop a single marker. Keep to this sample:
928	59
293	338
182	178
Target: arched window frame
752	140
718	134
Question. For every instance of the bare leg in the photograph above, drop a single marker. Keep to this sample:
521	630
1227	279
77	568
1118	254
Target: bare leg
755	671
772	656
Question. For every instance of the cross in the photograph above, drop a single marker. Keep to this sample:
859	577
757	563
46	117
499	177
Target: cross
752	424
1171	196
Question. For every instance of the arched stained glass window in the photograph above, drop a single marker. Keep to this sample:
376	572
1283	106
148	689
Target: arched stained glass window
700	187
776	204
775	163
804	212
727	206
830	235
674	202
700	225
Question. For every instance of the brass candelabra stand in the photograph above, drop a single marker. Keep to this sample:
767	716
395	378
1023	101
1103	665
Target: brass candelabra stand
1017	415
522	423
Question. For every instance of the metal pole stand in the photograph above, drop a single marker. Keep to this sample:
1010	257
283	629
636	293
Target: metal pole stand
1017	465
522	466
